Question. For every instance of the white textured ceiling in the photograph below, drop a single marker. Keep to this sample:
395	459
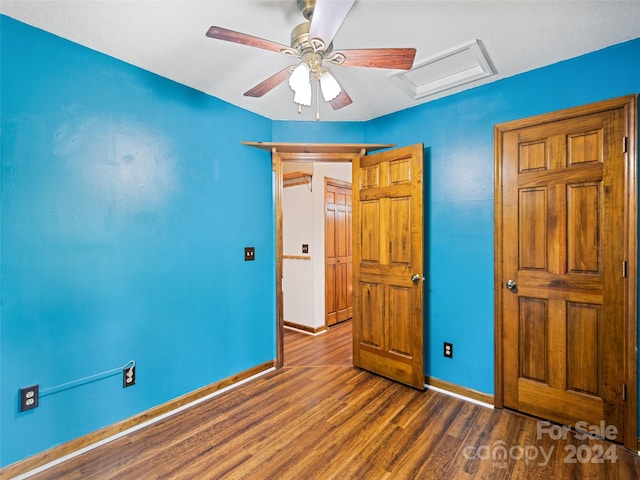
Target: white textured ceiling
167	37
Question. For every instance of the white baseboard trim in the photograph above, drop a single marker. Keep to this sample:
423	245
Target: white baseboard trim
457	395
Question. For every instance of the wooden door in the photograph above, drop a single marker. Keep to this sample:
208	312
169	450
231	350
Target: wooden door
565	266
338	258
387	253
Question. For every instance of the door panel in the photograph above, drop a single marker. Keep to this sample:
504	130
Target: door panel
583	228
387	228
563	191
533	338
584	322
400	338
338	270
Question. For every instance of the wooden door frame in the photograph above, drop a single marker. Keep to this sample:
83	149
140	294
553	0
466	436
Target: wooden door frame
300	152
629	104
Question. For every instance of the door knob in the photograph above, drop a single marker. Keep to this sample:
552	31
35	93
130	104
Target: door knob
416	278
511	284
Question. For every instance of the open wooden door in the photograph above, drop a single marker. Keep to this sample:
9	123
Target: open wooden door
388	264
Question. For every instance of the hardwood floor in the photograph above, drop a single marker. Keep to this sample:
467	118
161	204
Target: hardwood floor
332	348
320	418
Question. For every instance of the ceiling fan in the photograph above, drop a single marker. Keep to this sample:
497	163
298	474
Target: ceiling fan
311	44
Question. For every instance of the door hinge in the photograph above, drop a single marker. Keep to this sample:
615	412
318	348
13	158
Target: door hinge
624	144
624	269
624	391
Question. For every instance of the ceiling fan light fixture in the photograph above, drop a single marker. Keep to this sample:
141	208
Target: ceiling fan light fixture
300	83
312	44
329	86
303	97
299	78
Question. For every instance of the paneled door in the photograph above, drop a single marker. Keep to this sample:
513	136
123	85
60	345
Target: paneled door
388	264
565	266
338	258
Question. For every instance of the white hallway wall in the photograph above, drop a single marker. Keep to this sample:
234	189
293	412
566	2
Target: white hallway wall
303	222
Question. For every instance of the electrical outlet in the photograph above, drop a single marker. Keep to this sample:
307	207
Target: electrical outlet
128	377
448	350
29	398
249	254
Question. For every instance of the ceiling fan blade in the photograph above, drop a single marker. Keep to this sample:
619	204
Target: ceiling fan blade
343	99
244	39
269	84
398	58
327	17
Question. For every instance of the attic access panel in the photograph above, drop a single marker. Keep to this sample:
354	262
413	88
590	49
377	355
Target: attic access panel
448	70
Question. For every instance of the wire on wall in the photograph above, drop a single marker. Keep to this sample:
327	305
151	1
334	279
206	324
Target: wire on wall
85	380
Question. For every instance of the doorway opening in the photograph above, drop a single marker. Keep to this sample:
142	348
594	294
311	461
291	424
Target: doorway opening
299	152
316	231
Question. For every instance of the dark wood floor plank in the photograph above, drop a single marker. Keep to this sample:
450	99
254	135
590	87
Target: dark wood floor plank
333	347
321	418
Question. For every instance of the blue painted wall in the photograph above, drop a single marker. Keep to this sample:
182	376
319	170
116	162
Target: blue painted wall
457	132
318	132
127	201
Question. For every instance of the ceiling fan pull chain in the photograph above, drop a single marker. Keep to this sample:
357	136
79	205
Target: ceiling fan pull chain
317	98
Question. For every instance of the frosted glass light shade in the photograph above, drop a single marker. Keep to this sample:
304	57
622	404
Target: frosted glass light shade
301	85
299	77
329	86
302	96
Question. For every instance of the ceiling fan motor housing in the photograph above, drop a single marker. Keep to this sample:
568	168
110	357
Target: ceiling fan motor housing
300	42
300	36
306	8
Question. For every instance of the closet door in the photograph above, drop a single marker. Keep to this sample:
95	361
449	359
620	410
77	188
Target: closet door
338	269
563	280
